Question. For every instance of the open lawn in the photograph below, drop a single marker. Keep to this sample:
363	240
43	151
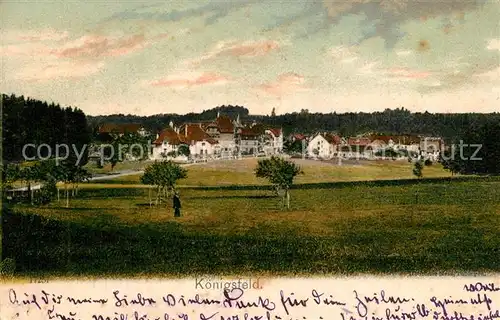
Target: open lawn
120	166
415	227
241	172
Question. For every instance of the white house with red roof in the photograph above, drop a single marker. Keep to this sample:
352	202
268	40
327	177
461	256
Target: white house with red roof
167	142
222	130
324	145
201	145
273	141
250	141
357	148
221	138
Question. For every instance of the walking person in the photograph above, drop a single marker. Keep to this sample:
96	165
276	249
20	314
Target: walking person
177	204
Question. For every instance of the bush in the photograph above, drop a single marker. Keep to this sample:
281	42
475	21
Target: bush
428	162
7	267
47	192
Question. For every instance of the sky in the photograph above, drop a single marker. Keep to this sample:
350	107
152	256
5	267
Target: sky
144	58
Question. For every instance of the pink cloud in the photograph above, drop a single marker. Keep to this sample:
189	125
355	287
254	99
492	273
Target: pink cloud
247	49
49	54
93	46
286	83
191	80
89	46
251	49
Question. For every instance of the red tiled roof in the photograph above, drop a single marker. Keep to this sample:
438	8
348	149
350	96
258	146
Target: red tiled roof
378	142
209	125
119	128
403	139
225	124
298	136
276	132
358	141
171	137
386	139
249	132
193	132
332	138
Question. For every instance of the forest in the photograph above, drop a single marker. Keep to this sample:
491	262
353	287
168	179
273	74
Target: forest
397	121
31	121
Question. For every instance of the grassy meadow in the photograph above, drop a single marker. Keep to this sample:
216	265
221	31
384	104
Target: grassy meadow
235	225
240	172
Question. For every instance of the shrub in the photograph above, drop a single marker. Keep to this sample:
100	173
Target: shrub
7	267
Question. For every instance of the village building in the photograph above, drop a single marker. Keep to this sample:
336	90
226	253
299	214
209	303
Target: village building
297	137
250	141
431	148
324	145
403	145
113	130
201	145
167	144
357	148
273	141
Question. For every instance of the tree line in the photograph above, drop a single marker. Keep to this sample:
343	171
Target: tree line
31	121
392	122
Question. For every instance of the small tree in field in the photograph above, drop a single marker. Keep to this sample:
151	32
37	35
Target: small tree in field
418	168
66	173
280	173
164	175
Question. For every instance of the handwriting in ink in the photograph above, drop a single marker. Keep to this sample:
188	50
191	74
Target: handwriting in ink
137	316
117	316
361	307
384	299
245	316
235	294
31	300
204	317
55	299
292	302
198	300
55	315
390	315
87	300
327	301
140	300
171	301
479	286
484	299
444	302
422	310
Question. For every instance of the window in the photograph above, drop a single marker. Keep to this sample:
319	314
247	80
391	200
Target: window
203	144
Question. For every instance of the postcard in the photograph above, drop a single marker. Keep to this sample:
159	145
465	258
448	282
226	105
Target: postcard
250	159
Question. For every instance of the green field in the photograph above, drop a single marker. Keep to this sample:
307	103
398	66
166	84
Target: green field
403	226
240	172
